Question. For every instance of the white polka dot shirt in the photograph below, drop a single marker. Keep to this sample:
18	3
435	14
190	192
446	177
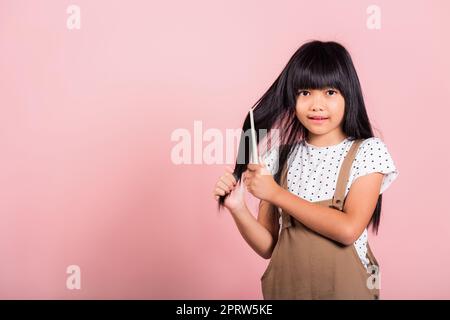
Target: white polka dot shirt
313	172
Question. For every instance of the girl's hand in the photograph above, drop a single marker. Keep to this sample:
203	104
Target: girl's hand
227	184
260	182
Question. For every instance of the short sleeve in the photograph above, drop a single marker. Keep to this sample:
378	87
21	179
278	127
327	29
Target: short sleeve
373	156
270	157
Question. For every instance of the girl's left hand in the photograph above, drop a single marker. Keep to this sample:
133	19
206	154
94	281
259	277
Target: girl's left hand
259	181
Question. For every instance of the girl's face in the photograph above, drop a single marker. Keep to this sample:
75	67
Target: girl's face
328	103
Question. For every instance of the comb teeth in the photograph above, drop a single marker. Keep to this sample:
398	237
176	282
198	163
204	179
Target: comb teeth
254	153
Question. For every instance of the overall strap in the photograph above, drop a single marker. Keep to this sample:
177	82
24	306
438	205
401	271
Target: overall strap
344	172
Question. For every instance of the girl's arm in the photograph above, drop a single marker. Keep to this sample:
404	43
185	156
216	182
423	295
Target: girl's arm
260	234
342	227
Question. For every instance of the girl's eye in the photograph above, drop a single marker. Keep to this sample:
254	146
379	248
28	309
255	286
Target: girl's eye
333	92
303	93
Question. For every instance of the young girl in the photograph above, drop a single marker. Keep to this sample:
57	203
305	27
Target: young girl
319	188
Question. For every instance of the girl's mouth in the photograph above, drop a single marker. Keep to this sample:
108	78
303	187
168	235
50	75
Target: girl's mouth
317	120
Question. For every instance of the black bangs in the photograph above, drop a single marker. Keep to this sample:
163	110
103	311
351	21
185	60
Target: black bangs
318	68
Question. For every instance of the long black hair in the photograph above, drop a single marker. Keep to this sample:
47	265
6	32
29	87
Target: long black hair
315	65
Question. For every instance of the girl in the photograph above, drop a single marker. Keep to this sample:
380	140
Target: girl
319	187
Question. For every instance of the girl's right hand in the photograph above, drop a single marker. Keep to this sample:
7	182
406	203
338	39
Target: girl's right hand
227	184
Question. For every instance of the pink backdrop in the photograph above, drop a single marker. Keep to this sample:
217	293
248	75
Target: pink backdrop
86	118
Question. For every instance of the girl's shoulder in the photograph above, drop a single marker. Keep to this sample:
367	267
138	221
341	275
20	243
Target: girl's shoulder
372	140
373	156
371	146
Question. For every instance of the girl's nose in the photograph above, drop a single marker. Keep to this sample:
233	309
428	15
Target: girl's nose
317	108
318	102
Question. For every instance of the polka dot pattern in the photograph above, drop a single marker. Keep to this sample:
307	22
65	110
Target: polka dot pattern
313	172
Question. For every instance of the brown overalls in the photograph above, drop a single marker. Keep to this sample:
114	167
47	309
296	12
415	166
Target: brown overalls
307	265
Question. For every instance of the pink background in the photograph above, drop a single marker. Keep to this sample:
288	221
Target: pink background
86	118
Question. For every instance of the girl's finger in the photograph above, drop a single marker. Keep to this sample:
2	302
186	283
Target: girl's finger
231	172
220	192
222	185
228	181
228	178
